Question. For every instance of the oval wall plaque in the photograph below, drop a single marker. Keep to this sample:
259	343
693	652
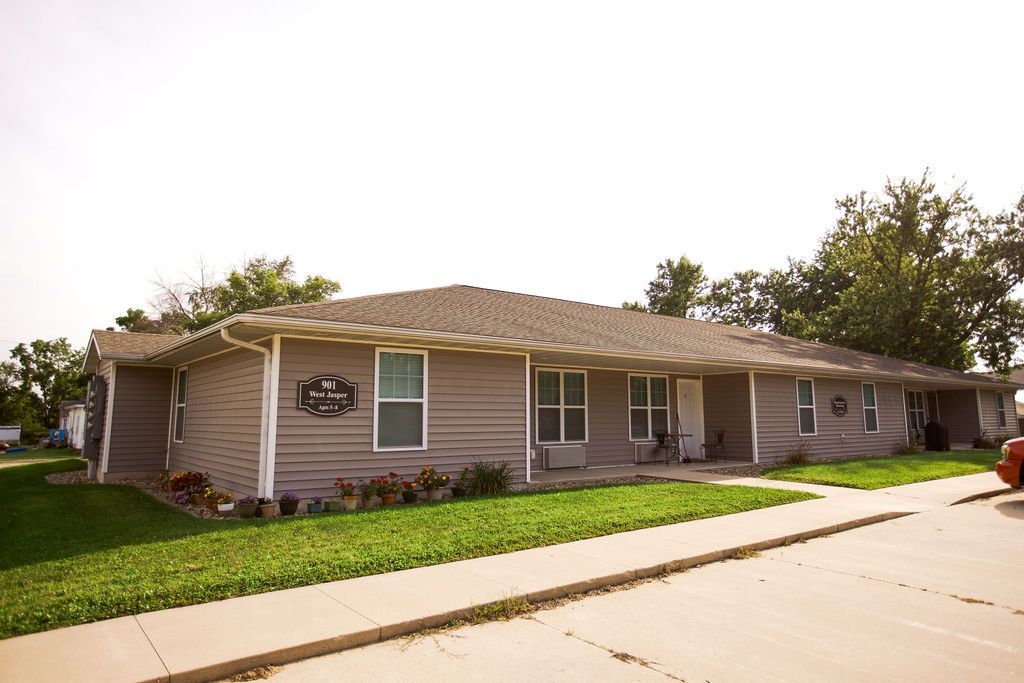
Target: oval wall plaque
328	395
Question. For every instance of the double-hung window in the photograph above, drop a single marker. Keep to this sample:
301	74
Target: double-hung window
400	401
1001	409
561	406
867	390
648	407
806	419
916	409
180	393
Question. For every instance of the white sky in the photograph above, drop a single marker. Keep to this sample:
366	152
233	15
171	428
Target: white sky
547	147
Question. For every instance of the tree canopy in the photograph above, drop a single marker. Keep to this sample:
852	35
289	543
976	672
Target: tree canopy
910	273
34	382
202	299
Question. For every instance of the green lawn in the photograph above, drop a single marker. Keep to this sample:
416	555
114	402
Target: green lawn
39	454
877	473
73	554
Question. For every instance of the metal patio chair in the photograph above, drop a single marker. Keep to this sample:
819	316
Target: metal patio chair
716	448
671	444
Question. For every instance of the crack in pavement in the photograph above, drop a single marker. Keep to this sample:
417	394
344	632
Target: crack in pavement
892	583
625	657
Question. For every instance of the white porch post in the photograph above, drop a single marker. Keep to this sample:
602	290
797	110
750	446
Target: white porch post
528	463
753	415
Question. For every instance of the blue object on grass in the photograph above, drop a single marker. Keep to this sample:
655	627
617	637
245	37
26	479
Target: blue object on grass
21	449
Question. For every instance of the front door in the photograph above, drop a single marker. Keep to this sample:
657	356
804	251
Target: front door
690	415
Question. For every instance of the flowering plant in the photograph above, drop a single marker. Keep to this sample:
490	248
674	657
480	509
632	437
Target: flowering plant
289	496
368	490
429	478
346	488
192	482
408	485
389	484
225	497
180	497
317	500
249	500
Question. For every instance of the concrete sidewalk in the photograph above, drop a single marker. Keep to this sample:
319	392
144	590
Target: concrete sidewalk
212	640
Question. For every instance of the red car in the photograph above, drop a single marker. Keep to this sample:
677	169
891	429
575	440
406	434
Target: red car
1009	468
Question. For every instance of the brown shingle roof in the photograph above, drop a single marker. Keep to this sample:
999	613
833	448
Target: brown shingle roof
468	310
130	343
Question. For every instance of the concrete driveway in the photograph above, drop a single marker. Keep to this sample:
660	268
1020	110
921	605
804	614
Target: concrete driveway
936	596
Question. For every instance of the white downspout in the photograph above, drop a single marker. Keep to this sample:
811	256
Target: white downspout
265	417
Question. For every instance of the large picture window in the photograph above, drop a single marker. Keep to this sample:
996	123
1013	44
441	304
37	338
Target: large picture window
807	421
561	406
180	394
648	407
1001	409
400	401
867	390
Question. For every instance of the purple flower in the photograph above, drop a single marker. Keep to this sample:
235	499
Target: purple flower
289	496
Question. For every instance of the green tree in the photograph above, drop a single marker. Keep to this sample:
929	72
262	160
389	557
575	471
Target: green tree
910	273
677	289
42	374
202	300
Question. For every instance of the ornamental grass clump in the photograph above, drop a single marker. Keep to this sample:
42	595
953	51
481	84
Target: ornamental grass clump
490	478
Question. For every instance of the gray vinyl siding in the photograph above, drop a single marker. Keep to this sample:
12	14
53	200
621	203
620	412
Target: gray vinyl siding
778	431
958	410
476	410
607	416
138	432
223	416
727	408
990	421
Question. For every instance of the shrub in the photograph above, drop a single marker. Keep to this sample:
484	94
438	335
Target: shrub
490	478
907	449
984	441
799	453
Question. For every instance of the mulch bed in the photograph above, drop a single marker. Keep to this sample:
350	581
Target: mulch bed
150	486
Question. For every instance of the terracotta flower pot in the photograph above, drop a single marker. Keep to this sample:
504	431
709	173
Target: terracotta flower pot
197	499
265	510
387	499
211	504
288	507
351	502
246	510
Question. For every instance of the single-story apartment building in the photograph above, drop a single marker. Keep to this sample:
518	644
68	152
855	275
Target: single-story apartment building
288	398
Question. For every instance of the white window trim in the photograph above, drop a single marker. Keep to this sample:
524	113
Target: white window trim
377	400
1001	421
923	410
561	405
177	384
866	407
630	407
813	407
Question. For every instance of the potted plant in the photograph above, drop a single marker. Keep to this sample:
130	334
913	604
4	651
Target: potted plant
247	507
432	482
388	487
265	507
409	494
225	503
367	490
332	504
348	492
210	498
289	503
461	485
316	506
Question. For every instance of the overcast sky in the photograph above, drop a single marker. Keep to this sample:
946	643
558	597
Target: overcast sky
549	147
